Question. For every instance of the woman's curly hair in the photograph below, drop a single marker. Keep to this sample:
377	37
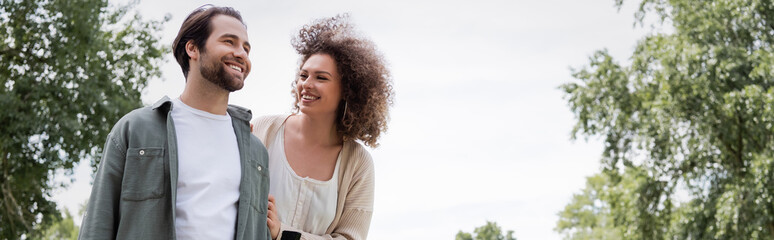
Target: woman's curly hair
365	80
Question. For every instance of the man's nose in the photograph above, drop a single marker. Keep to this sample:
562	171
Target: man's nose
241	53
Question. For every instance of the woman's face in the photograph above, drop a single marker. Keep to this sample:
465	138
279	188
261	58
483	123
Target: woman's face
319	86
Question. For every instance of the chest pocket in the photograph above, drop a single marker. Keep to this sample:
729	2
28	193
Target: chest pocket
143	174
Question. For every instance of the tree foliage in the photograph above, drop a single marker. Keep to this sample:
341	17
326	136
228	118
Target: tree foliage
687	127
68	71
490	231
61	229
588	216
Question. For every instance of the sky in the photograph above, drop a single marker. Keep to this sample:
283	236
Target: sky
479	130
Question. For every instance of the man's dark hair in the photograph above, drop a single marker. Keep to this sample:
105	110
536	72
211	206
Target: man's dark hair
196	27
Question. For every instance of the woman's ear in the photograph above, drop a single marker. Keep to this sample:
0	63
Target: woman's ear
192	50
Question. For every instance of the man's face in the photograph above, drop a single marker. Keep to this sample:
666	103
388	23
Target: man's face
224	60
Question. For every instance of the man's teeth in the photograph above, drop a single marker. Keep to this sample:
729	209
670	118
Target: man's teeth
235	68
307	97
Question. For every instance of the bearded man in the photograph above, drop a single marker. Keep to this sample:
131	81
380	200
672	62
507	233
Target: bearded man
187	168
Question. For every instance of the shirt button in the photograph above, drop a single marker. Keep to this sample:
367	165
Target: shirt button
142	152
259	168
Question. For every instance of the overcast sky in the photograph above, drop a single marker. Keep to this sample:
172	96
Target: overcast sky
479	130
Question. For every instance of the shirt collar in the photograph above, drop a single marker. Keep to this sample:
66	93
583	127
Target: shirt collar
238	112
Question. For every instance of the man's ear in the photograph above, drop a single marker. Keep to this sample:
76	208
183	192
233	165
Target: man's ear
192	50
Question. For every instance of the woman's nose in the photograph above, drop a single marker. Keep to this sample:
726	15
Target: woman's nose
306	84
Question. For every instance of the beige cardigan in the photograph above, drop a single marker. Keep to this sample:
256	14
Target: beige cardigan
356	185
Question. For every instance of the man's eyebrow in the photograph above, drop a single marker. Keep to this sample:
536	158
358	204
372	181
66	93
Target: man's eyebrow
229	35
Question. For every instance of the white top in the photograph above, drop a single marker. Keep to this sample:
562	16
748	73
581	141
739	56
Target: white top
209	173
302	202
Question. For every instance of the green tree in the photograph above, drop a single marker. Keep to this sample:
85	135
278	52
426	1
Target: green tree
490	231
63	229
587	217
68	71
687	126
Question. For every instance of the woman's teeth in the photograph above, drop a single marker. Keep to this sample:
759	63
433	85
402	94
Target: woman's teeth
307	97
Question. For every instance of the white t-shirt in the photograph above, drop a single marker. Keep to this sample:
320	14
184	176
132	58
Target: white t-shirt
302	202
209	173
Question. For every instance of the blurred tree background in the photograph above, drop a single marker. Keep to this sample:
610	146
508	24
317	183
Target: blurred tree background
61	229
490	231
687	127
68	71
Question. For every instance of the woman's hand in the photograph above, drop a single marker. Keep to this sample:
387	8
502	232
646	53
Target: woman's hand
272	219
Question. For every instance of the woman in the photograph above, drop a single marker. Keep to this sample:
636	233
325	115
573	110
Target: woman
322	179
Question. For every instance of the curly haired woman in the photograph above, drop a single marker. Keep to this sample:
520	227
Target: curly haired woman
321	177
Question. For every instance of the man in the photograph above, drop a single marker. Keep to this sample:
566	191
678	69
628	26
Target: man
187	168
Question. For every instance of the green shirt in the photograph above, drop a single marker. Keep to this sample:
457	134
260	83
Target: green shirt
134	191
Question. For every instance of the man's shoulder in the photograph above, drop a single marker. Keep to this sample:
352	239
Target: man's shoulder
240	113
143	116
152	118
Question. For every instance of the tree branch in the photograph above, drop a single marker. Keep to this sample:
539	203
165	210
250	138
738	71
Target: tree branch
740	141
11	206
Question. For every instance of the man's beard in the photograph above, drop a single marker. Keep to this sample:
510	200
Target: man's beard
214	72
